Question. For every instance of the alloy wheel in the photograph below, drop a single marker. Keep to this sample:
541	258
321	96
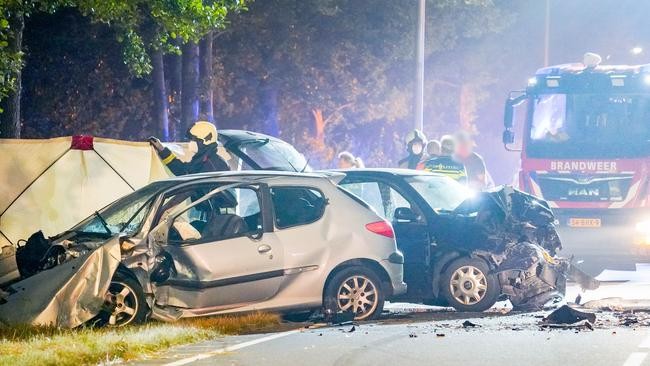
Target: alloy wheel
121	303
358	294
468	285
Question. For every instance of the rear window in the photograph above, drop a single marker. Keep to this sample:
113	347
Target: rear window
294	206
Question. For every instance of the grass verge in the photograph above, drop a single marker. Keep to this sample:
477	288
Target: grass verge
27	345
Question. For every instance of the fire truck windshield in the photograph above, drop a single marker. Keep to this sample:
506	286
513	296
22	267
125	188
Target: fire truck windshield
588	126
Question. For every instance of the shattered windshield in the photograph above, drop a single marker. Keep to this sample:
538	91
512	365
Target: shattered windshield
441	193
274	155
124	215
580	125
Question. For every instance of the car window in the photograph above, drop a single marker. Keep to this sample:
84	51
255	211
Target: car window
393	201
370	193
380	196
441	193
295	206
232	213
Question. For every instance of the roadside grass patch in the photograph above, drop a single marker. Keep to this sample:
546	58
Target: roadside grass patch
28	345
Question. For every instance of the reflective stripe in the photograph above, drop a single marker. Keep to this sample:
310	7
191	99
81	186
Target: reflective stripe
169	159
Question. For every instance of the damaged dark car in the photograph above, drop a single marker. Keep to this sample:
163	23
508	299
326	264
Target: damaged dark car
469	250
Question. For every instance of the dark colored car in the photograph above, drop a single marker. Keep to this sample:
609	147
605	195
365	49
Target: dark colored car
257	151
467	250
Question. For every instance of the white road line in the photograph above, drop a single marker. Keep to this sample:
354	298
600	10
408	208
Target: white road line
238	346
645	343
635	359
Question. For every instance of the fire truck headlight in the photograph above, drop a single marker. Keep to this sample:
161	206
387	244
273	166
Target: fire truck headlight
532	82
646	79
643	227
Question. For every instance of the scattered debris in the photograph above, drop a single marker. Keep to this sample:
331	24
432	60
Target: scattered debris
440	334
568	315
413	335
340	318
469	324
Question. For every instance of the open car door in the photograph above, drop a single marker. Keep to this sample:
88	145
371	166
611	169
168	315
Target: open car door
223	247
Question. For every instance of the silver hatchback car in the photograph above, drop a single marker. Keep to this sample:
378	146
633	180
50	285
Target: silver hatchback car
221	243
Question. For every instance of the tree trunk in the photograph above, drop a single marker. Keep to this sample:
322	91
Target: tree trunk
161	105
175	78
10	117
189	94
205	72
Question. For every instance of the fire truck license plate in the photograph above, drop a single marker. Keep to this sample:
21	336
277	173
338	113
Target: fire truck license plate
583	222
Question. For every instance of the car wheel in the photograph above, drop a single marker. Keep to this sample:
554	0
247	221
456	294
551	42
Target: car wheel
125	302
468	285
356	289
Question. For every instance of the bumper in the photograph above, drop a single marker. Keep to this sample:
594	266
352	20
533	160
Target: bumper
396	274
616	244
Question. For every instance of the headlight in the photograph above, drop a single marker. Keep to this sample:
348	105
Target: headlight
643	227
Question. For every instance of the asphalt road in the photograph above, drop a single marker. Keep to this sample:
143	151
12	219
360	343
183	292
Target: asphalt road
502	340
428	338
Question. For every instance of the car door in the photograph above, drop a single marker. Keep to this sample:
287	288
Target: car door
411	233
224	250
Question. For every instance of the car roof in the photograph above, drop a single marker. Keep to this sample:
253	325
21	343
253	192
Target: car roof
385	172
236	136
256	175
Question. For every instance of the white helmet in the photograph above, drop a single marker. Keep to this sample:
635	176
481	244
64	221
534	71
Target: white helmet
204	132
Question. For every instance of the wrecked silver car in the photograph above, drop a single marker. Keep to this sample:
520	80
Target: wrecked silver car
468	251
211	244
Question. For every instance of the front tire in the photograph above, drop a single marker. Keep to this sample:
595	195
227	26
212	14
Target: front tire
125	302
357	289
467	285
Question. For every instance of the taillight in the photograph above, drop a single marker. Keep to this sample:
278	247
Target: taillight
382	228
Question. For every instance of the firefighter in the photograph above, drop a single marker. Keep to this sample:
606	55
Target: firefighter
204	136
446	163
415	142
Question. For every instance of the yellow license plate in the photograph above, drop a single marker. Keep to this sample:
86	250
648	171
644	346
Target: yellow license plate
582	222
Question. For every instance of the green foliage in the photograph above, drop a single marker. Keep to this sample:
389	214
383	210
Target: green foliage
140	25
354	61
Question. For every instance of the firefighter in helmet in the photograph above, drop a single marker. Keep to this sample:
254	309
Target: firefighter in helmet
415	143
204	136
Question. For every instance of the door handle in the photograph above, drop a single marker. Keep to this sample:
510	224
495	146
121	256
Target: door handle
263	249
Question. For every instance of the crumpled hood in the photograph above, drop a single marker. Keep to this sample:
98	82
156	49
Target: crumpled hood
67	295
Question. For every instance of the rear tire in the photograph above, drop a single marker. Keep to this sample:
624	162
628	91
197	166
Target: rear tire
467	285
126	303
356	289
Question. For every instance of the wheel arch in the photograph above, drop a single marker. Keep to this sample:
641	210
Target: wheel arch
441	262
367	263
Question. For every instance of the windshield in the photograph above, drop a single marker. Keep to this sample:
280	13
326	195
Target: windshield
124	215
274	155
589	126
441	193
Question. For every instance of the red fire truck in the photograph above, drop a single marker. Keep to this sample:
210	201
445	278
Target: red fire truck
586	150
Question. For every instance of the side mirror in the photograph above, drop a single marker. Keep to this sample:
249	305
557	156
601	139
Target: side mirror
508	137
405	214
508	114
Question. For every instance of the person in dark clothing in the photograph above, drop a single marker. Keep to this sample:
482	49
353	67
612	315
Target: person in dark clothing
415	142
478	177
204	136
446	163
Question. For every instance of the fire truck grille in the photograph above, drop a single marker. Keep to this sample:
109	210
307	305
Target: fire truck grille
609	188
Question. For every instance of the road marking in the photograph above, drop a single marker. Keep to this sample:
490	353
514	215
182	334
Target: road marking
645	343
635	359
238	346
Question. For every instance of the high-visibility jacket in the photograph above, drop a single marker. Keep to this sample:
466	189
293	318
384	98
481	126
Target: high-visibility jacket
448	166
